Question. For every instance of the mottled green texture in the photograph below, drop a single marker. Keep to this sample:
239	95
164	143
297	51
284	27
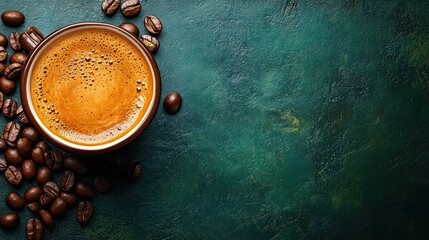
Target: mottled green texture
301	119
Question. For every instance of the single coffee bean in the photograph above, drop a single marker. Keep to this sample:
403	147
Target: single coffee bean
13	70
45	201
131	28
30	39
14	41
38	156
7	86
67	181
12	157
15	201
109	7
3	40
3	54
83	190
47	218
150	42
44	175
153	24
23	145
12	18
22	118
31	134
9	221
33	207
2	68
3	165
134	170
58	208
130	8
34	229
84	212
3	145
53	159
13	175
69	198
75	164
33	194
29	170
43	144
9	108
51	189
19	57
173	103
11	131
102	184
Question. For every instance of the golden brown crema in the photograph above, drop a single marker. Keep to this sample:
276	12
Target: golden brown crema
91	87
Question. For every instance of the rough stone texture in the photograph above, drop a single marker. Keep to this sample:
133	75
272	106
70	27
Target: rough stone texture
301	119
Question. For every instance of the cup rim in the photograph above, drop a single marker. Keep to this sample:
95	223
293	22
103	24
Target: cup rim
91	149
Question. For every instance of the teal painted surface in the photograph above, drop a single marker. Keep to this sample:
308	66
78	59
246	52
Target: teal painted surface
301	119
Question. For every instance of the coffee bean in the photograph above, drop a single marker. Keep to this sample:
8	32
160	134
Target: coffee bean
7	86
33	207
51	190
69	198
3	54
38	156
22	118
150	42
153	24
58	208
130	8
3	40
13	175
29	170
2	68
15	201
44	175
84	212
3	145
3	165
45	201
34	229
43	144
12	157
134	170
9	221
9	108
19	57
83	190
75	164
14	41
102	184
67	181
173	103
11	132
13	70
31	134
109	7
33	194
131	28
53	159
23	145
47	218
12	18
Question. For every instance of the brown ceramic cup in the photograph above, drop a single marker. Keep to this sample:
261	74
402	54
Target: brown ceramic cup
32	99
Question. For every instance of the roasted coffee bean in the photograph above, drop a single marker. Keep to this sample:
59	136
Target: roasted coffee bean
29	170
69	198
130	8
11	131
51	190
9	108
12	157
38	156
30	39
67	181
13	175
3	40
12	18
150	42
102	184
9	221
33	207
34	229
2	68
131	28
3	145
31	134
58	208
3	165
13	70
109	7
153	24
23	145
83	190
53	159
15	201
45	201
134	170
7	86
19	57
173	103
22	118
44	175
84	212
33	194
75	164
3	54
14	41
47	218
43	144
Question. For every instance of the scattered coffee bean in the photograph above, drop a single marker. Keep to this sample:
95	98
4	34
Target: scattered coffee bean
153	24
131	28
3	145
173	103
130	8
15	201
33	207
109	7
31	134
23	145
67	181
33	194
46	218
43	144
45	201
9	108
53	159
84	212
69	198
19	57
13	70
9	221
2	68
29	170
102	184
83	190
75	164
11	131
51	190
3	54
134	170
12	157
34	229
7	86
20	114
13	175
150	42
3	40
14	41
44	175
12	18
3	165
38	156
58	208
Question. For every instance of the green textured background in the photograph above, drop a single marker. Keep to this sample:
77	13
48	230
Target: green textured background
302	119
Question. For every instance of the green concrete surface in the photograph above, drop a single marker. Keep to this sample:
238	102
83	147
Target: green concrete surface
301	119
